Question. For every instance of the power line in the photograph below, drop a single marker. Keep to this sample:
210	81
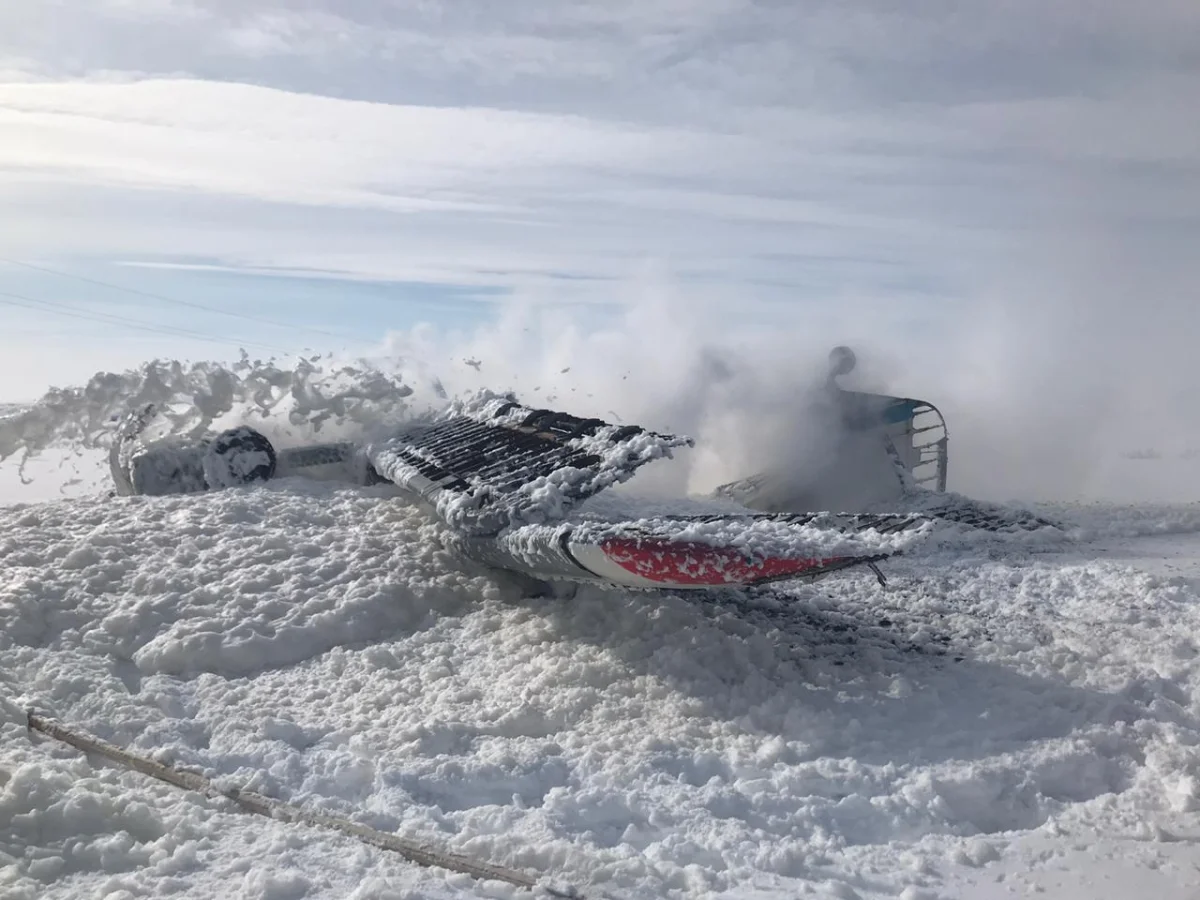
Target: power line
62	309
188	303
20	300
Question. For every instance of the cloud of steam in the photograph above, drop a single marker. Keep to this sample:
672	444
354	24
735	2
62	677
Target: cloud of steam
1080	352
751	395
1071	355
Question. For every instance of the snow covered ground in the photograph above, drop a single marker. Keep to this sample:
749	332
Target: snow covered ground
1004	718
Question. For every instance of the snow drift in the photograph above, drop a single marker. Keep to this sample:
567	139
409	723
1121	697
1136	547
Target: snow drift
1007	713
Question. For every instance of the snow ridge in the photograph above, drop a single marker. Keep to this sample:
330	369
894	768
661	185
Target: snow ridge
318	644
1012	714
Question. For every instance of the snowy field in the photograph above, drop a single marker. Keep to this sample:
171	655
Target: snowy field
1005	718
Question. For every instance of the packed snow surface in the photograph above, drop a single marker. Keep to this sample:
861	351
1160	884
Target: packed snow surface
1007	716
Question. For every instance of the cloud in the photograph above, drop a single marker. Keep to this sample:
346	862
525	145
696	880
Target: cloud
723	137
623	58
467	190
275	146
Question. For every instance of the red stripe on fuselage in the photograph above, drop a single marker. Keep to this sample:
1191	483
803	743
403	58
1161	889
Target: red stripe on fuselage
690	563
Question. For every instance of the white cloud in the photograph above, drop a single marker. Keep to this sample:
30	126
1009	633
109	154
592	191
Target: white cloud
466	189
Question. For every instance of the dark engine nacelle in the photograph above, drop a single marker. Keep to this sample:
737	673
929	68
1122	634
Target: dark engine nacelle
180	465
238	456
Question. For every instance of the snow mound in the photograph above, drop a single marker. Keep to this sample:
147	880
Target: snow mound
319	644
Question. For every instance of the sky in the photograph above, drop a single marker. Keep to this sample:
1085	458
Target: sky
1000	199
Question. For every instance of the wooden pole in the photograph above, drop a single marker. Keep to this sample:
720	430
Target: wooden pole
275	809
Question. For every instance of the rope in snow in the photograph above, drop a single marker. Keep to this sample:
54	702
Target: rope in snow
276	809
